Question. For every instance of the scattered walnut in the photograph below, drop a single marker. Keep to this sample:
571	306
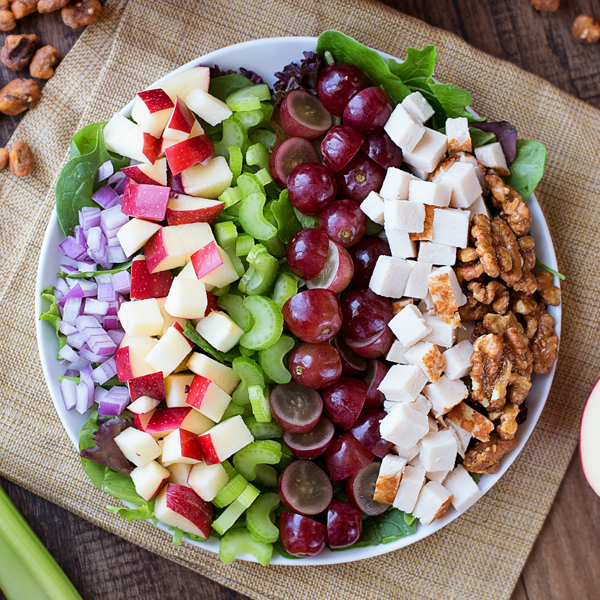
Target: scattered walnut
7	20
586	29
43	62
469	270
18	95
484	457
544	342
508	252
518	388
548	292
22	161
490	372
4	4
3	158
18	50
473	310
81	13
508	421
22	8
482	234
522	303
45	6
528	282
511	203
546	5
494	293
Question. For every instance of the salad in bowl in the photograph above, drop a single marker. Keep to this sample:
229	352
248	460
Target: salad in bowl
301	316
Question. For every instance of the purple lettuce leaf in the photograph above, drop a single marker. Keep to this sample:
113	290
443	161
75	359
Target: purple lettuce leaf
304	76
106	452
216	71
505	133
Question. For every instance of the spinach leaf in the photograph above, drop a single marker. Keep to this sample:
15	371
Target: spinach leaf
222	86
89	274
287	222
481	138
143	513
410	519
346	49
223	357
528	168
121	487
84	141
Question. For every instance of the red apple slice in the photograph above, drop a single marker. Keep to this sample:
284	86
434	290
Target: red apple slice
207	181
165	251
166	420
151	111
337	272
213	266
183	83
148	285
170	351
224	440
187	209
589	440
208	398
149	479
189	152
143	405
152	385
135	233
127	138
181	446
155	174
130	361
181	122
145	201
141	421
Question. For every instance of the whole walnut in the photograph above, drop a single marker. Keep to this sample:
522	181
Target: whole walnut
545	5
43	63
22	161
3	158
18	95
81	13
4	4
22	8
7	20
46	6
18	50
585	29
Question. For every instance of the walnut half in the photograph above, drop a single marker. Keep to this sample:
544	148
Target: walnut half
485	457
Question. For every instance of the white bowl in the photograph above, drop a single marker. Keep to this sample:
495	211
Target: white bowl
266	57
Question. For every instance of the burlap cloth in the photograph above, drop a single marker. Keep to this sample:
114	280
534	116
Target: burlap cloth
480	554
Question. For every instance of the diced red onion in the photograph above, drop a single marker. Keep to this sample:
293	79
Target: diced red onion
69	261
67	353
120	188
85	397
69	269
89	287
71	373
95	239
87	323
86	266
115	402
116	254
105	170
79	236
76	340
58	295
106	292
116	335
95	307
117	177
110	322
71	310
102	373
62	286
105	196
74	292
72	282
89	216
177	184
73	248
122	282
112	240
91	356
66	329
68	390
113	219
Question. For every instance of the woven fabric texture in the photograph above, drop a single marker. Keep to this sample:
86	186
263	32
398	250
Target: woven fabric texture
137	42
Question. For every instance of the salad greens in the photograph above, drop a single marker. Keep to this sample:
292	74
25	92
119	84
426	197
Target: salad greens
528	168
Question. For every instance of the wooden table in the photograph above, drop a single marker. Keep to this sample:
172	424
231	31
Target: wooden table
564	563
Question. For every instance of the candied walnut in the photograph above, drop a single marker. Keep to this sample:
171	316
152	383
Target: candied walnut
544	342
4	4
467	254
470	420
546	5
508	253
18	95
427	233
7	20
43	63
490	372
518	388
586	29
82	13
469	271
18	50
22	161
485	457
45	6
546	289
528	282
482	234
508	421
494	293
22	8
522	303
3	158
511	203
473	310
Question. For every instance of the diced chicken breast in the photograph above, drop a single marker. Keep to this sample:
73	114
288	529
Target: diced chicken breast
472	421
407	454
451	227
428	152
403	215
433	502
396	184
416	105
372	206
403	129
434	194
438	450
404	426
445	394
401	246
390	276
462	180
396	353
436	254
428	358
402	383
457	132
409	325
492	157
438	476
388	481
479	207
458	360
464	490
442	333
417	285
462	437
410	487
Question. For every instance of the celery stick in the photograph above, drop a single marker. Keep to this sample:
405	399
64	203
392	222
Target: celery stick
231	196
264	176
233	305
235	510
268	323
263	136
286	286
250	374
236	162
261	273
259	399
263	431
248	119
262	452
232	490
239	541
272	360
244	244
258	155
259	518
226	234
266	476
252	217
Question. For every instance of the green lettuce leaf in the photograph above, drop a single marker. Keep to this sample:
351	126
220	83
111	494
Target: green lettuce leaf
528	168
179	534
143	513
52	315
481	138
93	470
287	222
222	86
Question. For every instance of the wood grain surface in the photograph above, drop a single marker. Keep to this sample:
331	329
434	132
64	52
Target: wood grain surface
564	563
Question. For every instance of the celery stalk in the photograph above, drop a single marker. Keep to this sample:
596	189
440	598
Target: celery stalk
27	569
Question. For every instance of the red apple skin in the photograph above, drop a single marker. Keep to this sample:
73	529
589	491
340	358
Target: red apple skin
148	285
182	120
145	201
156	100
375	346
190	446
211	303
124	370
188	153
139	176
199	215
158	488
155	251
151	147
152	385
141	421
198	391
208	450
589	448
185	502
165	420
206	259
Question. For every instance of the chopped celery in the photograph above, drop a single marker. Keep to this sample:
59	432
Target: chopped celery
249	185
248	119
264	176
232	410
232	490
235	260
234	134
267	109
262	452
244	352
236	162
263	431
258	155
253	219
248	98
287	456
244	244
235	510
226	234
268	323
231	196
250	374
239	541
233	305
266	476
259	518
329	57
286	286
220	291
261	273
263	136
259	399
272	360
231	472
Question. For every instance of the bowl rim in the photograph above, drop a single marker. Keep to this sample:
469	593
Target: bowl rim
327	557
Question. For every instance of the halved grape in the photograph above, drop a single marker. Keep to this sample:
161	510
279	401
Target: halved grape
361	489
315	365
338	83
313	315
365	313
364	256
295	407
366	431
344	400
339	146
305	488
359	177
352	363
346	456
344	524
373	376
344	222
304	115
301	536
368	111
382	150
312	443
288	155
311	186
374	346
306	252
337	271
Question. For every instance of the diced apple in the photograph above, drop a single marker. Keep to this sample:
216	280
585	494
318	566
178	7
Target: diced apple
155	174
186	299
207	107
224	440
589	441
190	152
169	320
149	479
207	480
146	285
152	385
131	361
141	317
183	83
124	137
145	201
136	340
220	331
181	122
225	377
141	421
134	234
165	251
151	111
181	446
187	209
177	388
179	473
139	447
179	506
208	398
194	236
208	181
165	420
172	348
144	404
213	266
